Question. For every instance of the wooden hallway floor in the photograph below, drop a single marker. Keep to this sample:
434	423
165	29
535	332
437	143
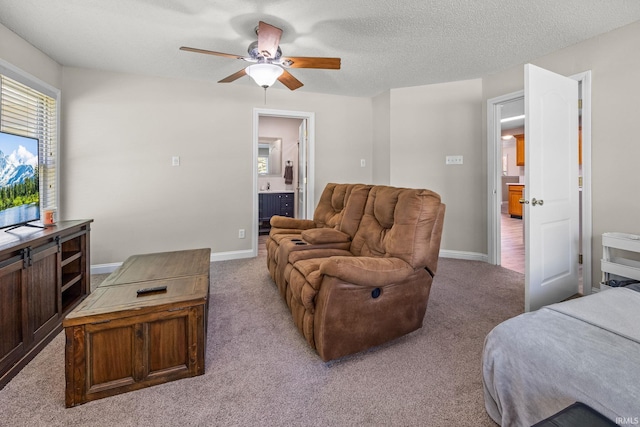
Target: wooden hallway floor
262	249
512	243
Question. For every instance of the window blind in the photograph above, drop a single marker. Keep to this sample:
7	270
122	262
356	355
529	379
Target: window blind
29	112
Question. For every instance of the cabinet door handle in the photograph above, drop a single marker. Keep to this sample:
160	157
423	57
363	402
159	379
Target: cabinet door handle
524	202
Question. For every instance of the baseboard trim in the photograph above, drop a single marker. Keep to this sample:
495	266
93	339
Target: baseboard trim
469	256
105	268
218	256
226	256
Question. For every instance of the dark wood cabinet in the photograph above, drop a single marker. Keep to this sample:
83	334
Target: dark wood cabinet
270	204
42	285
12	330
43	275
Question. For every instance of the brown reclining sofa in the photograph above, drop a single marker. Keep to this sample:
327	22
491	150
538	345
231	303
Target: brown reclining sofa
365	279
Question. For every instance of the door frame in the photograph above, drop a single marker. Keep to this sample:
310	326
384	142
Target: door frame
310	151
494	181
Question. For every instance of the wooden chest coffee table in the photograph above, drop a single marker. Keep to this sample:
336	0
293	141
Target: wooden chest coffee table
118	340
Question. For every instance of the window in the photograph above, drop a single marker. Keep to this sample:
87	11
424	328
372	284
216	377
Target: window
263	159
29	107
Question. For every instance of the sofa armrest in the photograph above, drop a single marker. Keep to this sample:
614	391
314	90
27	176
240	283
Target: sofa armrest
367	271
318	236
286	222
274	231
350	316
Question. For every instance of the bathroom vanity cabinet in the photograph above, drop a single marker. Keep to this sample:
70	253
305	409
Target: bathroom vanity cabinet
270	204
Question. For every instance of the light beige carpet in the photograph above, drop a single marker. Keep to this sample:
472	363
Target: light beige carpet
261	372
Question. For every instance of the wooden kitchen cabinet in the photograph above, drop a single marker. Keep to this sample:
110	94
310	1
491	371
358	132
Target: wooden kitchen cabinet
519	149
515	194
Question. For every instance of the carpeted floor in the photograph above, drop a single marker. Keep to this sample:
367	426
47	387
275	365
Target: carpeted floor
261	372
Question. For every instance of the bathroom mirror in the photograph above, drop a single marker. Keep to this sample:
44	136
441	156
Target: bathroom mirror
269	156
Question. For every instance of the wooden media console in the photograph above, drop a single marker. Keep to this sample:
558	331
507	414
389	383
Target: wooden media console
44	273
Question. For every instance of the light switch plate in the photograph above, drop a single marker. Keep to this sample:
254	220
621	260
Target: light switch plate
453	160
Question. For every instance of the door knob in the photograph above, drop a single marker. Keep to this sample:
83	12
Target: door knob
523	201
534	202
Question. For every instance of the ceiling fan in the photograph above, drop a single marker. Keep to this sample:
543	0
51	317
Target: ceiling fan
268	63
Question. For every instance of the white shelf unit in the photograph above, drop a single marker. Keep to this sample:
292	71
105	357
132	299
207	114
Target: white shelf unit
618	253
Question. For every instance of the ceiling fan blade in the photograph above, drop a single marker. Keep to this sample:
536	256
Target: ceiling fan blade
287	79
233	77
268	39
311	62
211	52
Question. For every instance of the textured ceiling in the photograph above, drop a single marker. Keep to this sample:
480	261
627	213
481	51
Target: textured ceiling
383	43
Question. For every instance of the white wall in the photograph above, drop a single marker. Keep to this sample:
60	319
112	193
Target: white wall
121	130
381	144
427	124
615	66
21	54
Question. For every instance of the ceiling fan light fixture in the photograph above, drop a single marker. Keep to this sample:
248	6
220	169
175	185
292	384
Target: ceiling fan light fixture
264	75
269	64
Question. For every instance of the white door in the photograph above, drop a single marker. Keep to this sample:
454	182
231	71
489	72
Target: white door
302	170
551	187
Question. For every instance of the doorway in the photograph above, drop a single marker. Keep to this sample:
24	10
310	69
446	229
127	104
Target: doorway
495	176
294	157
512	116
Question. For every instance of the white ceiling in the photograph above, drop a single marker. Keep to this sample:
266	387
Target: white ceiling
383	43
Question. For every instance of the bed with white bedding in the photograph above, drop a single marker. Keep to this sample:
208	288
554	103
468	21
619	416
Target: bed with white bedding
586	350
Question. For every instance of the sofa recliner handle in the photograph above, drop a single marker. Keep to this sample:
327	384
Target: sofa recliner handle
430	272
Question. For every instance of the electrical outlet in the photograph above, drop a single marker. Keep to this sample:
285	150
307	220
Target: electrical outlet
175	161
453	160
241	233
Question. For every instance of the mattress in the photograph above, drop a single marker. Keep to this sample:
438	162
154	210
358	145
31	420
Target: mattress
583	350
